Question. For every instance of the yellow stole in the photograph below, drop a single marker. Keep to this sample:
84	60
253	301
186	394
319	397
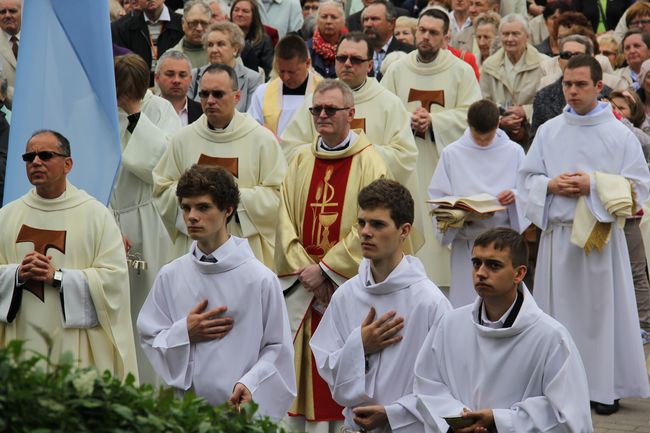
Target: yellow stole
272	100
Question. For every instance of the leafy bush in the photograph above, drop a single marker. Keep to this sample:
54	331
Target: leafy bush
38	396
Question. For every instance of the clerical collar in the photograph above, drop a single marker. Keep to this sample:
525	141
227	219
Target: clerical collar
300	90
356	89
342	145
216	255
164	16
508	317
212	128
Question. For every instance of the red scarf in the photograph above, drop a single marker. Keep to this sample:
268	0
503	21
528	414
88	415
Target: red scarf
323	48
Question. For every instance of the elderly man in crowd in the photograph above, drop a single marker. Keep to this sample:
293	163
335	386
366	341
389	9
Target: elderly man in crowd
196	19
465	39
10	23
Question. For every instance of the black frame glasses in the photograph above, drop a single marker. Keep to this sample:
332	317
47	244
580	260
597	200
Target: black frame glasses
566	55
43	155
329	111
353	59
217	94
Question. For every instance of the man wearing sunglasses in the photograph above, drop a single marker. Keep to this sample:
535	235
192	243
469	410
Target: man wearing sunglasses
317	245
63	268
225	137
382	117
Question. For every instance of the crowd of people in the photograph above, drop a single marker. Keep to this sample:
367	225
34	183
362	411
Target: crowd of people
271	234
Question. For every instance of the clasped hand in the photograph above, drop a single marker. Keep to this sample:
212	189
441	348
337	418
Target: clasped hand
36	267
311	276
570	184
483	421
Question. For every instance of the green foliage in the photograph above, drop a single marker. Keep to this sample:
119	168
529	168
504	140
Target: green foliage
38	396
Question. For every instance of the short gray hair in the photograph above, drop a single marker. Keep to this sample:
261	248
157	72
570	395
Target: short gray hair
329	84
331	3
515	18
174	55
191	3
233	31
582	40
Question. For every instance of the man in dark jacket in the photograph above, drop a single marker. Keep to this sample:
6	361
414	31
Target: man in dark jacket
149	33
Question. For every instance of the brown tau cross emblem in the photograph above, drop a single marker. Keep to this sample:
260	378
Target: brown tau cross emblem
43	240
230	164
427	98
358	123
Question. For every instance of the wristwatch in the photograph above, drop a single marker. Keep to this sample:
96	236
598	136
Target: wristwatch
57	279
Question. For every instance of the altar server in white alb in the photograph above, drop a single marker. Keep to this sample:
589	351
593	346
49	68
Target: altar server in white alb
366	344
501	363
483	160
583	174
215	320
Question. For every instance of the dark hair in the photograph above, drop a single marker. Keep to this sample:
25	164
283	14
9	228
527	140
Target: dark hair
581	60
570	19
256	31
357	37
217	68
391	195
644	35
633	100
391	12
63	143
553	6
212	180
483	116
131	76
438	14
291	47
502	238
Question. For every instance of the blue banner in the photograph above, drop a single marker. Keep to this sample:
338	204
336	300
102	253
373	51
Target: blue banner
65	82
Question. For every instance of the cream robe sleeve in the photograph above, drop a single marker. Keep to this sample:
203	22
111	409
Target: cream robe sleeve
143	148
165	176
344	257
290	254
532	183
259	204
108	282
299	130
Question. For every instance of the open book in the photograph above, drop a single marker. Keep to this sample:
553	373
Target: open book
480	203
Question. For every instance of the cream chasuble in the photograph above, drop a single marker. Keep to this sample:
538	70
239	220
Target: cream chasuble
317	224
81	236
251	153
132	205
446	87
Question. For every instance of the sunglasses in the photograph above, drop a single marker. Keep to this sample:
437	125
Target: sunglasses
353	59
43	155
194	24
329	111
566	55
217	94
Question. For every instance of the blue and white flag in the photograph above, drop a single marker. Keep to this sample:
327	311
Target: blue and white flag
65	82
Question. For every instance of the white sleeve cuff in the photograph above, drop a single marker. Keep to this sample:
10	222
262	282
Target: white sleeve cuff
77	304
503	420
399	417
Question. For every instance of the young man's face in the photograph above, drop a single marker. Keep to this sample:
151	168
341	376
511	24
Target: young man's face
203	219
493	274
380	238
580	92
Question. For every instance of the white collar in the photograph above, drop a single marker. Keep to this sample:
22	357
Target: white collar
164	16
221	252
346	142
502	320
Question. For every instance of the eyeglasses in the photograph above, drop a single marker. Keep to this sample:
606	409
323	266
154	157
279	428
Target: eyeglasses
194	24
353	59
637	23
329	111
43	155
310	7
566	55
217	94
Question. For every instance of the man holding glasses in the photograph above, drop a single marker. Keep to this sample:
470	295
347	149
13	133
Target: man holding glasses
236	142
317	244
63	268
